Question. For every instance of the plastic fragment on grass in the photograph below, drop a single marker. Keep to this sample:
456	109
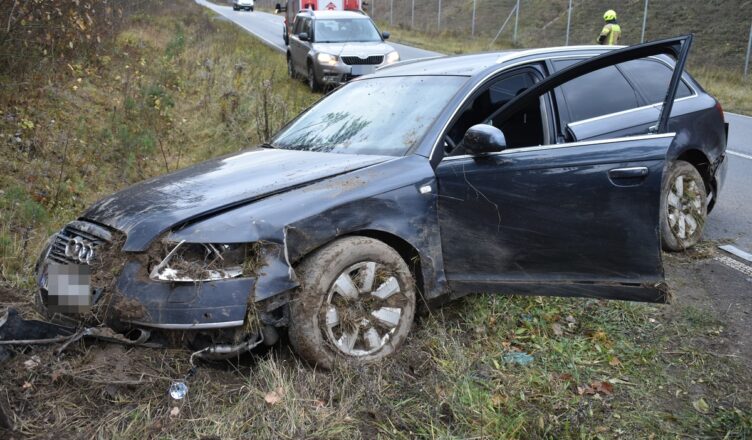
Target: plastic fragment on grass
518	357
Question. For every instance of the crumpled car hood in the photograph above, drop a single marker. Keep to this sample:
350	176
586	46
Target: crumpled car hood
149	208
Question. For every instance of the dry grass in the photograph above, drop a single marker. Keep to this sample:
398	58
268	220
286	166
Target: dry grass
176	86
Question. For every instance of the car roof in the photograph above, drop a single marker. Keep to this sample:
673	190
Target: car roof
332	14
469	65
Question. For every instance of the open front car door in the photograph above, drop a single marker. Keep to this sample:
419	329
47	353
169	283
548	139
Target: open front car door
568	219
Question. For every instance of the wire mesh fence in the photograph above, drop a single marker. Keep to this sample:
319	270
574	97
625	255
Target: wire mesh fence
723	32
720	27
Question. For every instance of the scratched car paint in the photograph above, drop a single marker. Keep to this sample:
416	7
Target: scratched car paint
230	249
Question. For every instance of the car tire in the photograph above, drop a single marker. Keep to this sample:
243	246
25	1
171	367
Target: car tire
338	317
291	69
683	207
234	8
313	83
251	9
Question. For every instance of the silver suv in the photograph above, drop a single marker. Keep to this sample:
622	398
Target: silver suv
332	47
242	4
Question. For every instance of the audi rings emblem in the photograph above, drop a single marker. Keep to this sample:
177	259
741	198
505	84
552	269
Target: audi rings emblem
79	249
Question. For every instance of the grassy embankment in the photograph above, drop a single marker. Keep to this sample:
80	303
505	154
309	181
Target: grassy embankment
179	87
161	94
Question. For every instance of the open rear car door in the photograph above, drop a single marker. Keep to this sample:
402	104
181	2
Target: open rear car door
573	219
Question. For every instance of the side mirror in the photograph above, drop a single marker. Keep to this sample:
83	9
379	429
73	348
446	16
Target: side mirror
279	8
385	35
303	36
483	138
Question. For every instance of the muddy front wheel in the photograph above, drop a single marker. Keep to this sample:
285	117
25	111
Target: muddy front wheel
356	303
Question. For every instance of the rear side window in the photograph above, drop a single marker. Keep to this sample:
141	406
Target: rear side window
652	78
598	93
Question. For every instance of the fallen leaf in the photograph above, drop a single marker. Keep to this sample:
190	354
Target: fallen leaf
274	397
614	362
32	362
174	411
701	406
558	331
602	387
498	399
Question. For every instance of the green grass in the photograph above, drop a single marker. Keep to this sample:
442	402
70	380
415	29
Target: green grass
450	380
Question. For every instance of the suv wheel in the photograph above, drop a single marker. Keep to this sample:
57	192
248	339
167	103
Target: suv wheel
290	68
356	303
313	84
683	207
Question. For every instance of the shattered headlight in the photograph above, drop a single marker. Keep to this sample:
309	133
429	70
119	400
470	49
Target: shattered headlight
195	262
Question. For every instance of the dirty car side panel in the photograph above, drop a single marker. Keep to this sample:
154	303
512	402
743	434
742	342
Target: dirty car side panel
553	215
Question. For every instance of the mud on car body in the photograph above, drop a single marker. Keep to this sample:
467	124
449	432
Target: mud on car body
451	176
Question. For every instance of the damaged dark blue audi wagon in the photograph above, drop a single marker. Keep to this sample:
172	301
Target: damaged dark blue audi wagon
559	171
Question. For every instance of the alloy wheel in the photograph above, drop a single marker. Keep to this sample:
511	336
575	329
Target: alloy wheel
363	309
684	204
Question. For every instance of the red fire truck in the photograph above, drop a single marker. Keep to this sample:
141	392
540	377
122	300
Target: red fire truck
292	7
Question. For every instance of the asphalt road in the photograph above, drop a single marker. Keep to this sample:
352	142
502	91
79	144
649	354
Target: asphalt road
732	216
268	28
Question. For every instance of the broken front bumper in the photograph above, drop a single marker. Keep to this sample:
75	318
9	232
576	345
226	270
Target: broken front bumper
133	298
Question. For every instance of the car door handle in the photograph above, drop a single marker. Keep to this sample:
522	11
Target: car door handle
628	173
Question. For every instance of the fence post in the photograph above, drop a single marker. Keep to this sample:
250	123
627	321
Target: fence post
472	32
412	15
644	22
749	49
516	20
439	17
569	21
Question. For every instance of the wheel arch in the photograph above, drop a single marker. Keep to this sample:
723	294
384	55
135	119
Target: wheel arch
407	251
700	161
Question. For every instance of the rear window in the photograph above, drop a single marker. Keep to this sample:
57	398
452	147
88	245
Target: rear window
598	93
652	78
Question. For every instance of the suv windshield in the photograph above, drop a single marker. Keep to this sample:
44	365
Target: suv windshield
345	30
384	116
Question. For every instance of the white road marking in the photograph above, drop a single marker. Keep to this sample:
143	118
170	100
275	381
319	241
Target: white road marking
737	114
742	155
730	262
736	251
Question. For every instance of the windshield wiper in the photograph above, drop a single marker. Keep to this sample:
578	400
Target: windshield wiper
268	145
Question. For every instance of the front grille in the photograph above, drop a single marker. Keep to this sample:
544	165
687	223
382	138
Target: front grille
87	233
373	59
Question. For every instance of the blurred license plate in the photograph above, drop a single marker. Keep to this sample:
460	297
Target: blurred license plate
362	70
68	288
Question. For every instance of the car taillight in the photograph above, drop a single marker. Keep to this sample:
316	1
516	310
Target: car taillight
720	109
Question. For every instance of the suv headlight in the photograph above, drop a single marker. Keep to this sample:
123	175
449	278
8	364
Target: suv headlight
196	262
326	58
392	57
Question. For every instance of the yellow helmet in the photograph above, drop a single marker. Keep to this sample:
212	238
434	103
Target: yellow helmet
609	15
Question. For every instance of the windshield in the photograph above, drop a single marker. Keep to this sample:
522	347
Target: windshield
383	116
345	30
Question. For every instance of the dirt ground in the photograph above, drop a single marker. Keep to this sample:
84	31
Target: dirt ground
705	282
